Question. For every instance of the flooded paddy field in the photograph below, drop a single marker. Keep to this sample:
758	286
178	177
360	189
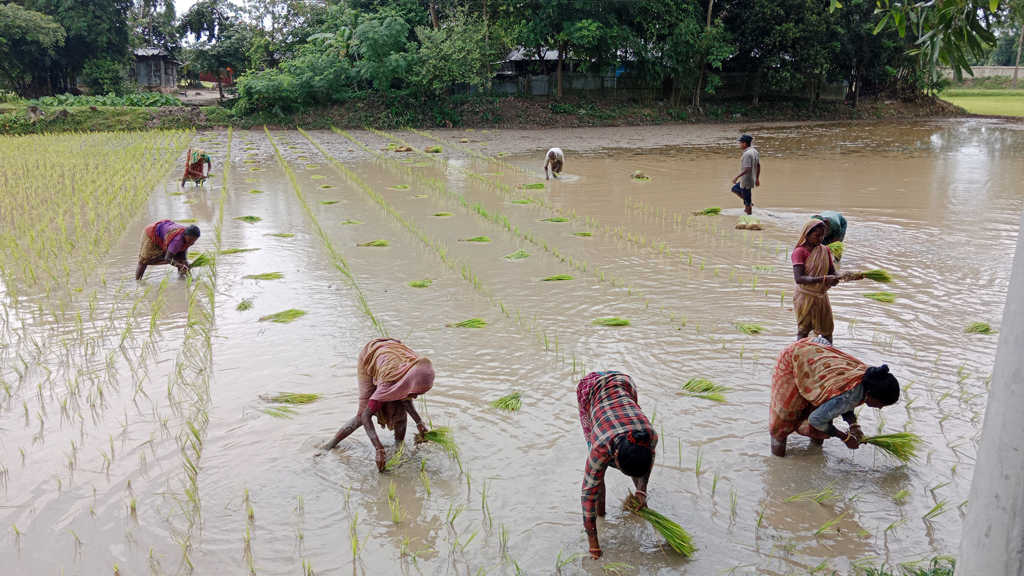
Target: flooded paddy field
133	435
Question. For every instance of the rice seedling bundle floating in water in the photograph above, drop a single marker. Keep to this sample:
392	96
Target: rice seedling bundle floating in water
290	398
237	250
249	219
613	321
312	166
255	191
204	259
475	239
325	186
281	235
510	403
582	234
881	296
284	316
329	202
557	278
639	176
245	304
471	323
442	214
674	534
517	255
901	447
878	276
432	149
375	243
980	328
711	211
187	221
350	222
278	411
749	328
522	201
443	437
555	219
399	187
705	389
837	249
264	276
534	186
425	283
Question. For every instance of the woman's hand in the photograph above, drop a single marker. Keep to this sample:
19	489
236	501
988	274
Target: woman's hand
831	280
856	432
382	458
420	438
851	442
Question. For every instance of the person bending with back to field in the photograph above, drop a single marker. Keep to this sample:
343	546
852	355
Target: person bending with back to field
166	242
555	159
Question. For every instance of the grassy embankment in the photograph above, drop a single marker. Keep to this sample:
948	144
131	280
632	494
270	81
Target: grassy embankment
989	96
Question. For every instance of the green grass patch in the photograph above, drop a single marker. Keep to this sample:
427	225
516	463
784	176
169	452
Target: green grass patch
613	321
475	239
881	296
284	317
557	278
471	323
249	219
375	244
990	102
517	255
264	276
425	283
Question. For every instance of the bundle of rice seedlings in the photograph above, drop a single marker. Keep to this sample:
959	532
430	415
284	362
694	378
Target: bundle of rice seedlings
749	223
471	323
329	202
900	446
187	221
877	275
522	201
557	278
249	219
278	411
881	296
711	211
972	328
555	219
510	403
399	187
254	191
837	249
749	328
204	259
674	534
325	186
442	214
443	437
318	177
419	196
290	398
432	149
264	276
245	304
312	166
375	243
534	186
639	176
613	321
281	235
350	222
425	283
705	389
464	141
582	234
517	255
475	239
236	250
284	316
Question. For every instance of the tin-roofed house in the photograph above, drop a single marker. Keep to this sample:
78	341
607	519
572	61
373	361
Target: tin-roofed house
155	70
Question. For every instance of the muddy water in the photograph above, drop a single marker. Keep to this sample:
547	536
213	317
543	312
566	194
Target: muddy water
935	203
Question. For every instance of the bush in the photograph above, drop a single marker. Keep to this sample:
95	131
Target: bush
145	100
106	76
268	91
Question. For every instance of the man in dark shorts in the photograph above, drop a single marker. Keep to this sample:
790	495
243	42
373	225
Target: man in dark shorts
750	173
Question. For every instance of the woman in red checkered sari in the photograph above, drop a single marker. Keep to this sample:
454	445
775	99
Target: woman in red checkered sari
619	435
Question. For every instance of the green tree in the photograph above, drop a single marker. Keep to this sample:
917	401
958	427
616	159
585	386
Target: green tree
28	44
155	23
381	51
455	52
225	55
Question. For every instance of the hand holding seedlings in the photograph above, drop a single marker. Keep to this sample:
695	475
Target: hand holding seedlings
382	457
851	441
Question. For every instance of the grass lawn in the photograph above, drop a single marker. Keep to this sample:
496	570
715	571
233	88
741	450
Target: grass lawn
982	101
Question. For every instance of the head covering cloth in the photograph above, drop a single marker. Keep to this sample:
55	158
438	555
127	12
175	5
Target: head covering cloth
390	371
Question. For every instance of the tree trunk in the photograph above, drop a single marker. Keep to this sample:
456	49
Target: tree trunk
703	65
433	15
487	46
220	89
856	90
1016	66
561	60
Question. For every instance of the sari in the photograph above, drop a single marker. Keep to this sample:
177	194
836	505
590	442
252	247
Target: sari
806	375
194	160
388	372
154	246
810	301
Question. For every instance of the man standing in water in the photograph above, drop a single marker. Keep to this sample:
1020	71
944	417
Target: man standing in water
750	173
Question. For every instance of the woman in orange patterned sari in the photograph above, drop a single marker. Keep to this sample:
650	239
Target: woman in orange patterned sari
813	383
814	274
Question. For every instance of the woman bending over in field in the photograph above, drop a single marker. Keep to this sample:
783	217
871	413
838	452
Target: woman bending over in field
194	160
390	376
166	242
619	435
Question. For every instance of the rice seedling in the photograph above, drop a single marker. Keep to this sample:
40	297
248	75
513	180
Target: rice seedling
562	563
555	219
837	249
880	296
819	497
245	304
417	196
979	328
290	398
432	149
329	202
901	495
617	568
398	512
442	214
828	525
510	403
399	187
325	186
255	191
237	250
284	316
204	259
517	255
939	508
522	201
533	186
877	275
901	447
351	223
312	166
249	219
678	539
557	278
396	459
613	321
749	328
705	389
187	221
444	437
375	243
762	268
710	211
582	234
475	239
264	276
425	283
278	411
318	177
471	323
639	176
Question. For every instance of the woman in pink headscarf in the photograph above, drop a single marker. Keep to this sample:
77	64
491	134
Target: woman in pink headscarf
390	375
